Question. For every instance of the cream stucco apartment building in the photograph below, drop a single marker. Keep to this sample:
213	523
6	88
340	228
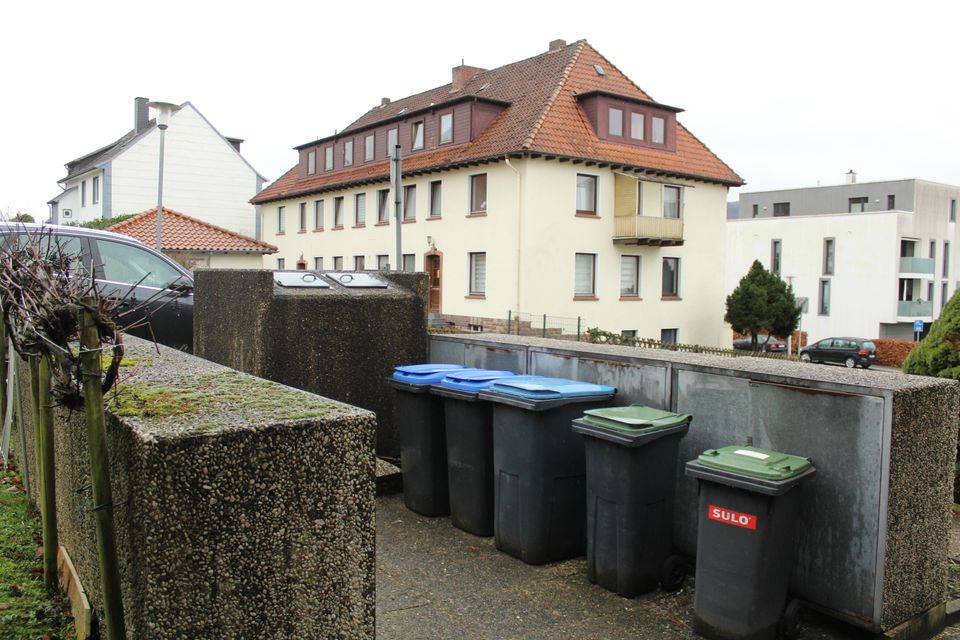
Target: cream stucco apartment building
870	258
204	174
553	185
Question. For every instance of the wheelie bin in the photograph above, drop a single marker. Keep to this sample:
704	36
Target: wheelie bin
631	479
539	465
469	433
748	510
423	446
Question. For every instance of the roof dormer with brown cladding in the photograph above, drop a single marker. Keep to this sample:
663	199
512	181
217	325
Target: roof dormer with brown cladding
556	105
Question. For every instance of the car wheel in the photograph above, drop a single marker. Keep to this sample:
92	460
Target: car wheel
850	363
805	357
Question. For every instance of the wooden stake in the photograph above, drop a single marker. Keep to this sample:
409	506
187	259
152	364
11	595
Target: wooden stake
48	481
100	475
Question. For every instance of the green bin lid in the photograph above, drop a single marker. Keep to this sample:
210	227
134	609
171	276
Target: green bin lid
634	419
754	462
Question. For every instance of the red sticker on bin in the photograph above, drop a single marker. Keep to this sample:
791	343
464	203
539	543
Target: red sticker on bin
735	518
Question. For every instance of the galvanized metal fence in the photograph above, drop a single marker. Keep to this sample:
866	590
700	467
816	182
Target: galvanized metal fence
544	326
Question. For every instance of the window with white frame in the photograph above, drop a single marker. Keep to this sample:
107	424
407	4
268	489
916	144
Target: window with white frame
436	198
417	135
338	263
824	307
630	276
281	219
312	161
776	254
478	274
410	202
318	215
96	190
669	336
478	193
83	193
408	262
584	275
338	212
368	148
328	158
657	130
671	201
586	194
671	278
829	249
302	219
348	153
318	264
383	262
360	209
391	140
446	128
383	206
615	123
636	125
359	263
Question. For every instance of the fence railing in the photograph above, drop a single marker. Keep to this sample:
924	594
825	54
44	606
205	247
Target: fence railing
520	323
598	336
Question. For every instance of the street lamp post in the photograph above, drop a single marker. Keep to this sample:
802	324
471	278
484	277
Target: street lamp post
164	109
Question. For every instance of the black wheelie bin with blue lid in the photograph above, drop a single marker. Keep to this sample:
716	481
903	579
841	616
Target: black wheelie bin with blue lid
539	465
748	512
469	431
631	479
423	444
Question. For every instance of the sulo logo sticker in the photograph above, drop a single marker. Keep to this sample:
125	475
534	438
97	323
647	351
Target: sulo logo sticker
735	518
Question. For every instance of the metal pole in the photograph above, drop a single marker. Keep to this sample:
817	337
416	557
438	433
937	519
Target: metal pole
396	171
163	131
544	334
509	319
578	328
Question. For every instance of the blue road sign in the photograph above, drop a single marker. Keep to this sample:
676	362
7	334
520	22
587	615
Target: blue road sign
918	326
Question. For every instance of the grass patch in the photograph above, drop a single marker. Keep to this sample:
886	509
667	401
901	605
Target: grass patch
26	609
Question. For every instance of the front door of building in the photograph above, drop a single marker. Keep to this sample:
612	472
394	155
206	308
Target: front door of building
433	270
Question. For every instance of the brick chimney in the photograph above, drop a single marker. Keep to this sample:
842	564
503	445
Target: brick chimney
384	102
140	114
462	75
235	142
556	45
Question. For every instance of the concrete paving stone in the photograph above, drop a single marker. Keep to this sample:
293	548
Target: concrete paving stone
422	623
395	594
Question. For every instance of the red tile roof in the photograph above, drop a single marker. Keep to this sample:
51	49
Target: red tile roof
543	118
184	233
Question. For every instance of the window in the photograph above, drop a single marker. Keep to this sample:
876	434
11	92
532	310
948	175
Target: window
628	333
368	148
446	128
348	153
338	263
776	251
83	193
629	276
781	209
383	262
930	291
756	210
318	215
946	259
669	336
828	256
671	278
436	200
281	263
824	309
96	190
383	206
338	212
953	203
417	135
328	158
933	250
586	194
615	124
636	126
906	290
358	263
128	264
857	205
410	202
891	202
391	141
584	275
408	262
657	130
478	193
671	202
281	219
312	161
943	295
478	274
318	264
360	209
303	217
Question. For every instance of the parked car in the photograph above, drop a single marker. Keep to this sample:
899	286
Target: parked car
764	343
847	351
128	270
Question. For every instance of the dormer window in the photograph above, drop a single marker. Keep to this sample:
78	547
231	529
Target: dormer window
636	125
391	141
312	162
348	153
615	121
656	130
446	128
368	147
328	158
417	135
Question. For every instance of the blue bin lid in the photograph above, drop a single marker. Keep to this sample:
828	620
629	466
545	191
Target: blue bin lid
473	380
545	388
424	373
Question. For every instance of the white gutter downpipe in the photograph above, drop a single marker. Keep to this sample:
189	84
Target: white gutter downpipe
519	227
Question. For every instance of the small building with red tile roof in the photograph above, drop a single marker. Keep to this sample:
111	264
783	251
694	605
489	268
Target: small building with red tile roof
553	185
195	243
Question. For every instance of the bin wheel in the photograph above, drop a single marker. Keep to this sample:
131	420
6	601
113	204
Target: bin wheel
673	573
792	620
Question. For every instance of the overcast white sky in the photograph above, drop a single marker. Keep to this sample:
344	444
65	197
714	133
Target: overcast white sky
788	94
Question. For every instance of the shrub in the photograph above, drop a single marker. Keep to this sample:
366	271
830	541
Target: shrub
939	353
892	353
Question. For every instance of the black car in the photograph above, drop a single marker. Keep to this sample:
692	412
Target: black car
847	351
152	286
764	343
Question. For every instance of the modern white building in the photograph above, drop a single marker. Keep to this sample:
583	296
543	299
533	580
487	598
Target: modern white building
870	258
204	174
553	185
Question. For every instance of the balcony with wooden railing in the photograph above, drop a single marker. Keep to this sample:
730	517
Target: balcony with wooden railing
648	230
